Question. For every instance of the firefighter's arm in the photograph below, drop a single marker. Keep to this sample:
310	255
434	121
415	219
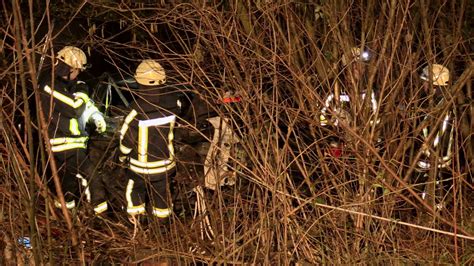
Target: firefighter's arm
125	143
76	105
125	149
91	112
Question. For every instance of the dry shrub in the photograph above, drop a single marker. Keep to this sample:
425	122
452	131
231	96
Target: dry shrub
292	203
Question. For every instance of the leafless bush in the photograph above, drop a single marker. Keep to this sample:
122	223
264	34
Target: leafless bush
293	203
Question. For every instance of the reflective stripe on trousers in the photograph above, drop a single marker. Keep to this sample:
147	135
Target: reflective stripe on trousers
86	187
132	209
162	213
99	208
140	209
102	207
69	204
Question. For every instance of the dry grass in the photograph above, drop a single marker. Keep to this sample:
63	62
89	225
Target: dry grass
292	204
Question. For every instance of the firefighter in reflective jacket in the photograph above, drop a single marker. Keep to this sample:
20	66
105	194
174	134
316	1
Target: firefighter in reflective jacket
436	140
444	132
146	141
337	105
67	109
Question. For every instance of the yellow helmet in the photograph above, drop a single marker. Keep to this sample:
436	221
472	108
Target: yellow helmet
73	57
355	54
150	73
439	73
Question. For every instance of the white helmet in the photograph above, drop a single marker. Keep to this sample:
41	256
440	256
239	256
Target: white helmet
355	54
438	73
73	57
150	73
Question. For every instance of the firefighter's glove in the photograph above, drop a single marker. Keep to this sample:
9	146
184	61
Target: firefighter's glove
99	122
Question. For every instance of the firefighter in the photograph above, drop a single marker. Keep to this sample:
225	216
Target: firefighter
337	105
147	142
435	142
67	109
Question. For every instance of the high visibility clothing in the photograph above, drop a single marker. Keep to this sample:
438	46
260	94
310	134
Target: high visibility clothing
344	103
77	177
67	108
146	145
139	191
441	144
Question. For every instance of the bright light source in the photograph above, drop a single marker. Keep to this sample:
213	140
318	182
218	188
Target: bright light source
365	56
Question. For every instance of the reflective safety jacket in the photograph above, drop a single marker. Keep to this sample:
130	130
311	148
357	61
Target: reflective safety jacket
148	132
67	109
342	110
441	144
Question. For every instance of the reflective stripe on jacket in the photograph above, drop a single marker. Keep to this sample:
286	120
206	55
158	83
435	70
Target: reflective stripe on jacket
140	159
344	99
63	107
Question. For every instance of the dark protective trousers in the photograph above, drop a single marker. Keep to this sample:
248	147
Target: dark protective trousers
149	189
78	179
